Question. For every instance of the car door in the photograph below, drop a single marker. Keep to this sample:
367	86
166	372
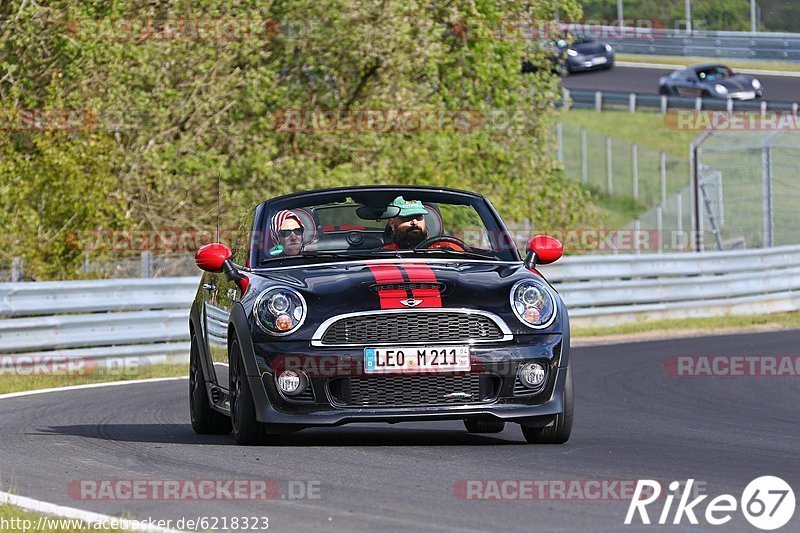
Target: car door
220	295
688	84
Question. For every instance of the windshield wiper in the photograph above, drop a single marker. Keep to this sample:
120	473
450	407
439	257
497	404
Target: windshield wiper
473	255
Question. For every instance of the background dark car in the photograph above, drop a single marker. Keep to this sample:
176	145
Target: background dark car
712	80
586	54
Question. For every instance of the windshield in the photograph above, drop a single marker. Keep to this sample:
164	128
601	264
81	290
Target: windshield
716	72
404	225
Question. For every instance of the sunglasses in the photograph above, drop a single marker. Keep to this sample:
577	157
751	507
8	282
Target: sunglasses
286	232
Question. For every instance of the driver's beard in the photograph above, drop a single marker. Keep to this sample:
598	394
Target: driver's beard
409	238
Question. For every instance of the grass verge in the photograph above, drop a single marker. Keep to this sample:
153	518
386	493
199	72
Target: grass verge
722	323
18	382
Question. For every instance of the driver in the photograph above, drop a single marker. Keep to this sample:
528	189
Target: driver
407	229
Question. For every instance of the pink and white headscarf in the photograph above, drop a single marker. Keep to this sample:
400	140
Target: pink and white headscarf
277	220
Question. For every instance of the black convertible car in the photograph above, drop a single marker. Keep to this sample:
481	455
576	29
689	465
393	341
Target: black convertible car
710	80
388	304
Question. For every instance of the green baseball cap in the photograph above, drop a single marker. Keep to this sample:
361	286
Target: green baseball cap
409	208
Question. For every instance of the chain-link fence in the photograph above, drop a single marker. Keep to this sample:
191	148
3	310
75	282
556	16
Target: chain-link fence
748	189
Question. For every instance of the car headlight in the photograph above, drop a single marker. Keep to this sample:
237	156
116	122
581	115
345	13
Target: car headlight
756	84
720	89
533	303
572	52
608	48
279	310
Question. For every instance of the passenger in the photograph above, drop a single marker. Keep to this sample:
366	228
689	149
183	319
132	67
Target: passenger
287	231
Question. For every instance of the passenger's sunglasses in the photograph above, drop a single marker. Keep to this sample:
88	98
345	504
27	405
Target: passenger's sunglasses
286	232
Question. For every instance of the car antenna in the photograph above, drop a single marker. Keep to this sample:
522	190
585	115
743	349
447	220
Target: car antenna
219	202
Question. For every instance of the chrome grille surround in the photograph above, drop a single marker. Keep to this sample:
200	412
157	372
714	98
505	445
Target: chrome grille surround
392	327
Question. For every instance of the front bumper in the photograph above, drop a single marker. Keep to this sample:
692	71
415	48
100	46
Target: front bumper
587	63
507	401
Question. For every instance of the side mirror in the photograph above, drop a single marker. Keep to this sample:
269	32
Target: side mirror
212	257
543	250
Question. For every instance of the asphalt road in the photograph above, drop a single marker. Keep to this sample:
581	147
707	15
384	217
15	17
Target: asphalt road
645	80
633	420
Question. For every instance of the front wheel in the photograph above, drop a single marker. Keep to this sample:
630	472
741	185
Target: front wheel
559	431
247	430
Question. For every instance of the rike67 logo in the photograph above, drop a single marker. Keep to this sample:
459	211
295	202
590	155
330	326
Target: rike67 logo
767	503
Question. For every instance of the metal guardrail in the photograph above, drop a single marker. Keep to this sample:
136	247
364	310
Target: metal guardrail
98	320
724	44
147	318
599	100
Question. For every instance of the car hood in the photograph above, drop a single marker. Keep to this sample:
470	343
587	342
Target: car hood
339	288
735	83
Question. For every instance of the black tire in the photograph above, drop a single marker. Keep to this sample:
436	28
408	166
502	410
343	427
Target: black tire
205	420
484	426
559	431
247	430
664	91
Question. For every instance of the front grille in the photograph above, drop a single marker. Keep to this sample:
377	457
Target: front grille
411	327
384	391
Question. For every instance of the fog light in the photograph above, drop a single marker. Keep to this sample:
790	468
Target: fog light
533	375
291	382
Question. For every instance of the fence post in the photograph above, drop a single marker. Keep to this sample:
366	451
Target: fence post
584	157
17	269
794	110
146	264
637	228
729	106
565	97
609	168
663	164
635	158
560	141
698	104
632	102
679	209
664	101
598	101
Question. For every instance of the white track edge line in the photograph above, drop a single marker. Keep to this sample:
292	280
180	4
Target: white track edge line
30	504
86	386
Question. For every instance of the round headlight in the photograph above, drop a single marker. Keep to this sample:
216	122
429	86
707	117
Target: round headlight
533	303
756	84
721	89
608	48
572	53
279	310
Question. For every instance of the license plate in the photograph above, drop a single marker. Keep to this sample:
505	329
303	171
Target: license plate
599	61
416	359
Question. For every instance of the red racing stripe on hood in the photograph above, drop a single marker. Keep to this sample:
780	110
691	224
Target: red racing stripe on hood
386	275
421	273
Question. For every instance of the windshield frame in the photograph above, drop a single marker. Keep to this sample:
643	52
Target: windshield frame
259	257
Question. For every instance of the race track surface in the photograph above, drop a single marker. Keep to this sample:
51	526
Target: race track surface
633	420
645	80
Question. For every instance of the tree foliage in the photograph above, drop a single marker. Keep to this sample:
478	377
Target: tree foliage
174	115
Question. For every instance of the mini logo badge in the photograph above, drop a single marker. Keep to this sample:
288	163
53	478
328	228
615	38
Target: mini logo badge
411	302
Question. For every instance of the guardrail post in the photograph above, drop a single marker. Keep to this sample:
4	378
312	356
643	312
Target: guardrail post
698	104
632	102
609	168
729	106
565	97
664	100
763	111
17	269
584	157
598	101
679	211
560	141
635	160
637	228
794	110
660	227
146	264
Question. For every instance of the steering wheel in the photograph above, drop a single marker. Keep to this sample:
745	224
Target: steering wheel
454	244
